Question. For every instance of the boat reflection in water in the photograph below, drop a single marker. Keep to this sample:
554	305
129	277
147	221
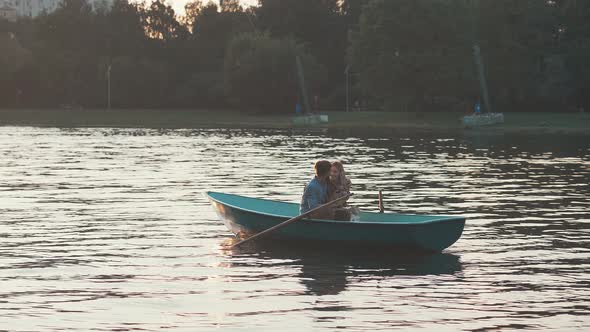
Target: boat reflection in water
327	271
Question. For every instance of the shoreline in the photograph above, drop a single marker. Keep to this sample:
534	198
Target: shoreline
526	123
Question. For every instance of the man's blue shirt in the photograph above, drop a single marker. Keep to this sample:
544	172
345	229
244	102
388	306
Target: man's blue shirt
314	195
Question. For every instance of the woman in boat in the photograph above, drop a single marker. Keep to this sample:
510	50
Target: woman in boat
339	183
339	186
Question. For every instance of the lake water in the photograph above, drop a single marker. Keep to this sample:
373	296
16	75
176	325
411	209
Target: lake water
107	229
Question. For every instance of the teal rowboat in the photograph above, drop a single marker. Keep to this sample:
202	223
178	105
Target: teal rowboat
245	216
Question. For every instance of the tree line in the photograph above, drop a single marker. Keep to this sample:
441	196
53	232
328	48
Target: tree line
399	55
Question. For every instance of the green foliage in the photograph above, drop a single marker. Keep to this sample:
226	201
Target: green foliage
139	82
161	22
407	51
410	54
260	71
212	31
203	88
402	54
352	10
123	29
576	38
515	36
13	60
318	24
13	56
232	6
192	10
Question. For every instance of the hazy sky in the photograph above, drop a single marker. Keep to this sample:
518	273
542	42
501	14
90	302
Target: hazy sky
178	5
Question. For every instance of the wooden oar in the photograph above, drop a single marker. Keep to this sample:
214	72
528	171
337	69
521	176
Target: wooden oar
292	220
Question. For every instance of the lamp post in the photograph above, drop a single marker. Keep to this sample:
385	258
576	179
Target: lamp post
109	86
346	71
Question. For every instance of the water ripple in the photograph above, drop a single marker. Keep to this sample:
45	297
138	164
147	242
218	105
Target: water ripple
107	229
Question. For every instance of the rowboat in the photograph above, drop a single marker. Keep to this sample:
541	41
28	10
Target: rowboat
486	119
245	216
310	119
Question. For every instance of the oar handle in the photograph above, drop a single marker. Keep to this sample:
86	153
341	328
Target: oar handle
285	223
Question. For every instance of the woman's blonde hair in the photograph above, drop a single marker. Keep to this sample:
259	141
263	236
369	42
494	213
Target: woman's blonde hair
340	167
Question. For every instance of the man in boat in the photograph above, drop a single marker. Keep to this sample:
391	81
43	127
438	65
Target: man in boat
316	191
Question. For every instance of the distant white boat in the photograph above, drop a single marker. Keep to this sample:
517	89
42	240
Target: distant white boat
484	119
310	119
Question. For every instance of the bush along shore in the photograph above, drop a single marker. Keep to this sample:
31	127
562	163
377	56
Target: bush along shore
578	123
404	55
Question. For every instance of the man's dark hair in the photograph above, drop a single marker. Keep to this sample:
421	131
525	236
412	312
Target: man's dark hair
322	168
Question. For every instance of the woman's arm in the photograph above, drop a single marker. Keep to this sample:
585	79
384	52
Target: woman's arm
347	186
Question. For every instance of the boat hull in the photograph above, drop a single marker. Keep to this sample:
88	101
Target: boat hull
423	236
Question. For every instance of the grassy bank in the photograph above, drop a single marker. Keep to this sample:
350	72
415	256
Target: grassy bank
577	123
429	121
140	118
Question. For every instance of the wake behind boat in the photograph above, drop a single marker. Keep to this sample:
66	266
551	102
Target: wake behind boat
245	216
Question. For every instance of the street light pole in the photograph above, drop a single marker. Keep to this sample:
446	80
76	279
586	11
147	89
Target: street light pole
347	99
109	87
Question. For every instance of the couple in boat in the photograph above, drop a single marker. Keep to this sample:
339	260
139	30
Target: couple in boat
330	183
